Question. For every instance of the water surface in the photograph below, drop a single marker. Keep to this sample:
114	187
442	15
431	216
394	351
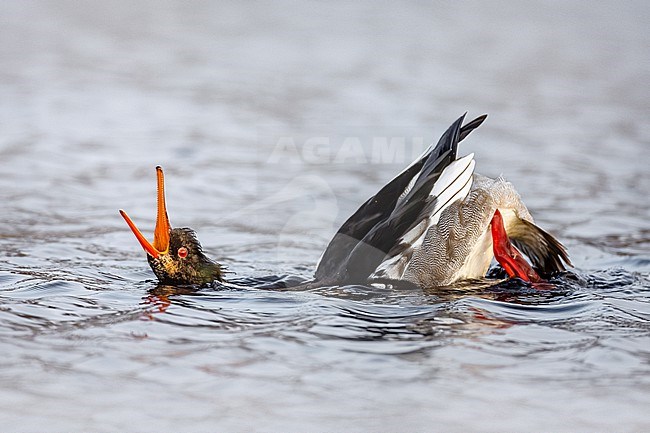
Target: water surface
271	120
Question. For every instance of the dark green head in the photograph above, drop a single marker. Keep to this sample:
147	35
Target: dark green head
176	256
185	262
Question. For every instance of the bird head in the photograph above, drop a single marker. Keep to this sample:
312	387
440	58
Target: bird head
175	256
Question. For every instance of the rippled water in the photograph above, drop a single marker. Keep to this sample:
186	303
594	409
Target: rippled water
271	121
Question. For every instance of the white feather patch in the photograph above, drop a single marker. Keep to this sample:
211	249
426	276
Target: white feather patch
454	184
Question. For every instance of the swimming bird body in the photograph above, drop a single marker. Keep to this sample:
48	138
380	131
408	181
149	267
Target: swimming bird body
459	246
437	223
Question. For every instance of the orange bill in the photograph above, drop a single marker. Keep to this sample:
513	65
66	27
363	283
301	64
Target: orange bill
161	231
138	234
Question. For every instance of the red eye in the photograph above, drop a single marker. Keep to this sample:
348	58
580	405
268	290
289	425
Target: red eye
182	252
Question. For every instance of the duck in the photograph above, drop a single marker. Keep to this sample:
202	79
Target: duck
435	224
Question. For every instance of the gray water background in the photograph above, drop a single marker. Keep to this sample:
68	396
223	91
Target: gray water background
274	121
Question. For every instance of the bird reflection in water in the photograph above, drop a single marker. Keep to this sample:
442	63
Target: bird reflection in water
159	298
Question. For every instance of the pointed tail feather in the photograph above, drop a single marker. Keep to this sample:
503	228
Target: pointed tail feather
469	127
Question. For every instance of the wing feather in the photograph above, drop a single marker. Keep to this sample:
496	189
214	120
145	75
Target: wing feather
374	229
454	184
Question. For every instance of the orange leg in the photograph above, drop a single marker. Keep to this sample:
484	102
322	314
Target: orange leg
507	255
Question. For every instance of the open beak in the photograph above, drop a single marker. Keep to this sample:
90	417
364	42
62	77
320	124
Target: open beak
161	231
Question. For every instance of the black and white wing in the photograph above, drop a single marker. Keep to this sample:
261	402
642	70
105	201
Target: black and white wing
399	208
453	184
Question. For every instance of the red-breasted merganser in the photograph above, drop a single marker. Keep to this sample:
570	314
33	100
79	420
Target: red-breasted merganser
434	224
